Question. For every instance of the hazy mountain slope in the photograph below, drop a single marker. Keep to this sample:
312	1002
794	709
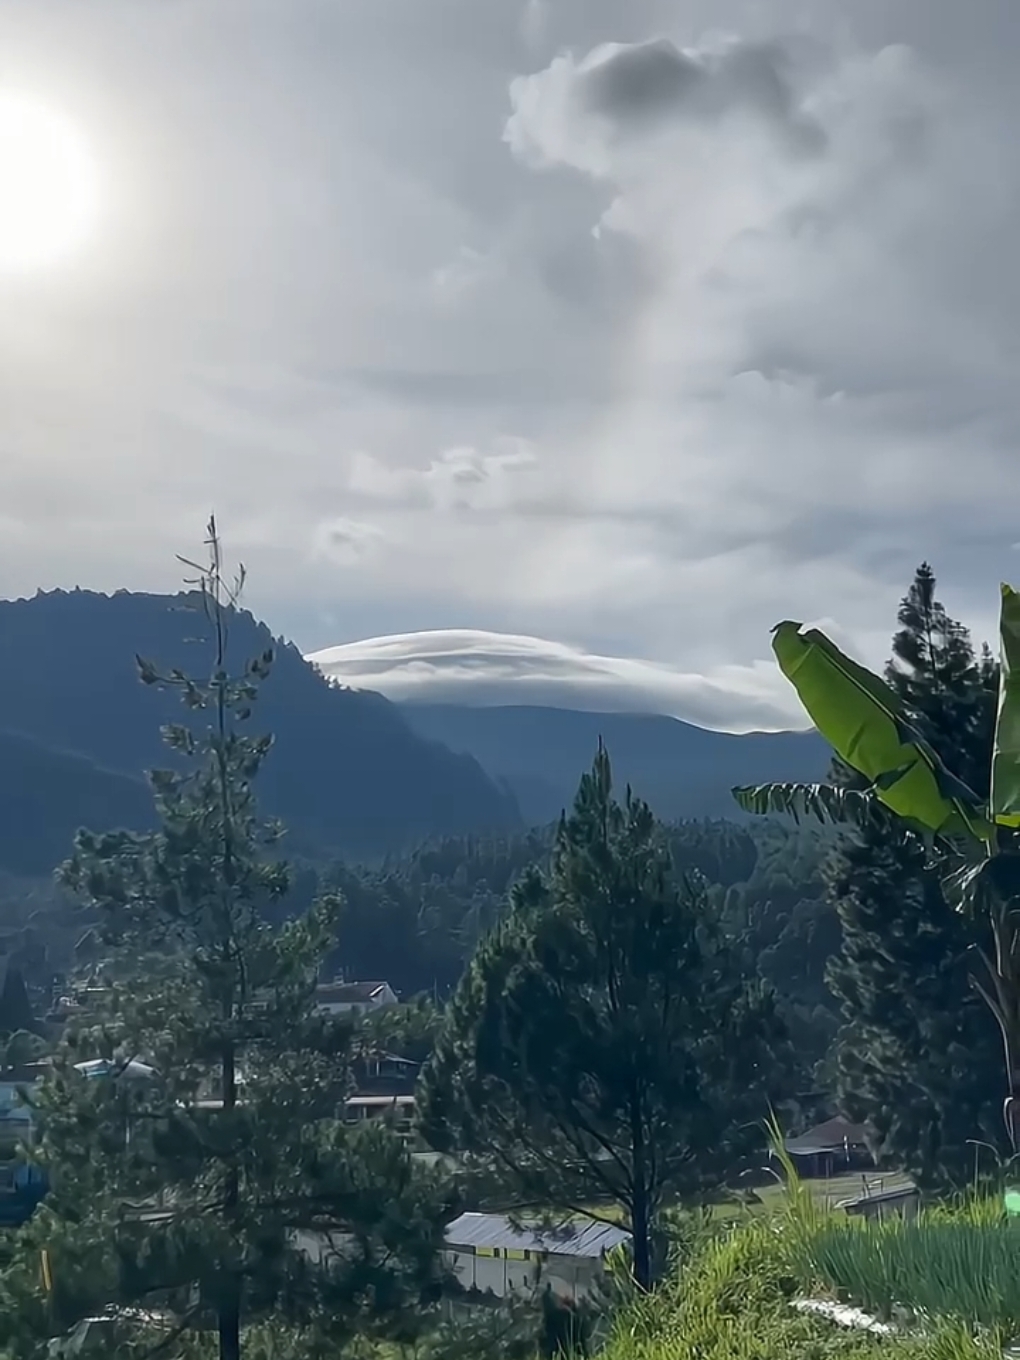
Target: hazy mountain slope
46	796
681	770
347	772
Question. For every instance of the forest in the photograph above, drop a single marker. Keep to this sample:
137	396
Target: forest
697	977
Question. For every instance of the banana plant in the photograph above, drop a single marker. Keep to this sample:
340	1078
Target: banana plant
975	843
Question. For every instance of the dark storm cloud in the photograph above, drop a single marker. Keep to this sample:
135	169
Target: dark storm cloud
654	80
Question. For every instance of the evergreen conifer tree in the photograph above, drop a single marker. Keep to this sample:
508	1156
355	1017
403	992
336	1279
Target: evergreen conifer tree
208	1148
918	1057
604	1045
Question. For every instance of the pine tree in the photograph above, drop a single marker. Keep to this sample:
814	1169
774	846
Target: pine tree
604	1045
918	1057
182	1175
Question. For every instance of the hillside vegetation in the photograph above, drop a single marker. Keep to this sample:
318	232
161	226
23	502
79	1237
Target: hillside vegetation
348	775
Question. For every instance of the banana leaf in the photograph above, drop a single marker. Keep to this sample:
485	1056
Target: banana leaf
1004	804
823	803
863	720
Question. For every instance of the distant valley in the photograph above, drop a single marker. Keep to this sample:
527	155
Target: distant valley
683	771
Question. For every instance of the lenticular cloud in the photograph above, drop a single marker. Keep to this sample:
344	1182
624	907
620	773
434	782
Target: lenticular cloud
465	666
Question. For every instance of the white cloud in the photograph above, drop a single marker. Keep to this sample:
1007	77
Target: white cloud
482	669
458	479
452	322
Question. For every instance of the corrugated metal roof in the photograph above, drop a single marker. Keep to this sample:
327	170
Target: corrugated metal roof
576	1237
832	1136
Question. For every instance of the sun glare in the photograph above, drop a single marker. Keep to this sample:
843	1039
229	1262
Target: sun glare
48	188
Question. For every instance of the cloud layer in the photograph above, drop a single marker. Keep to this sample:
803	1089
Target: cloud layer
639	326
466	666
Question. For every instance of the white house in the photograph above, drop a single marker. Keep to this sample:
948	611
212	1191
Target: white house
487	1253
353	998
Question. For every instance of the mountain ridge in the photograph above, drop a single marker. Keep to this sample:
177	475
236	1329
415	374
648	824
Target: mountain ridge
347	774
539	752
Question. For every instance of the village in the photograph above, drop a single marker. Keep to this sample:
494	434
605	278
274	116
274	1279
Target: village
490	1255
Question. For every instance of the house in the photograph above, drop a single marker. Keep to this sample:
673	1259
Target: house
899	1198
15	1115
384	1074
830	1149
488	1254
360	1108
22	1185
353	998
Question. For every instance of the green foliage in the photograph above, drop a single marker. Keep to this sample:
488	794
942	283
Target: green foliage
918	1057
185	1191
350	776
942	1266
733	1302
409	1031
604	1044
825	803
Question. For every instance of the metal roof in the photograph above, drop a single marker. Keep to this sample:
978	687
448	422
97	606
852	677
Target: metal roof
375	1100
576	1237
349	992
832	1136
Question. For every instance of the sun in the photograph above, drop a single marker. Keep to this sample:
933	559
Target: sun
48	186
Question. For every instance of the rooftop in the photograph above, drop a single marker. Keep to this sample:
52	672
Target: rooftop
576	1237
352	992
832	1136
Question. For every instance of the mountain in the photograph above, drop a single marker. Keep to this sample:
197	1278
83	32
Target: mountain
347	774
681	770
46	795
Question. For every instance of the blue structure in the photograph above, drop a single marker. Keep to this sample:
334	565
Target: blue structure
19	1201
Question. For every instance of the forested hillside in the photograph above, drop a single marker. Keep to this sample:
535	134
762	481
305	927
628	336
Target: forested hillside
347	776
416	922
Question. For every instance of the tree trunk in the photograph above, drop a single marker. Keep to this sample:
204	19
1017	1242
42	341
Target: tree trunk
640	1207
229	1316
641	1237
229	1326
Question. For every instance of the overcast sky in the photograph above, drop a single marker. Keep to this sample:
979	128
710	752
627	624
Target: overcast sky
631	326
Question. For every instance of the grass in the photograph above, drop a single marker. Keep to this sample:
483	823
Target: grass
732	1298
733	1302
827	1193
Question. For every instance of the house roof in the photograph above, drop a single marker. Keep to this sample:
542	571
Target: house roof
25	1074
132	1070
898	1187
832	1136
374	1101
576	1237
349	991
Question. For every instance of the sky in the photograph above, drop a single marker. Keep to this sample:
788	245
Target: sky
593	338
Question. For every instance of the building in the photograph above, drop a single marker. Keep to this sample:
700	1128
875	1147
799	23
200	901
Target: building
353	998
22	1185
897	1198
384	1074
15	1115
489	1255
830	1149
400	1109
